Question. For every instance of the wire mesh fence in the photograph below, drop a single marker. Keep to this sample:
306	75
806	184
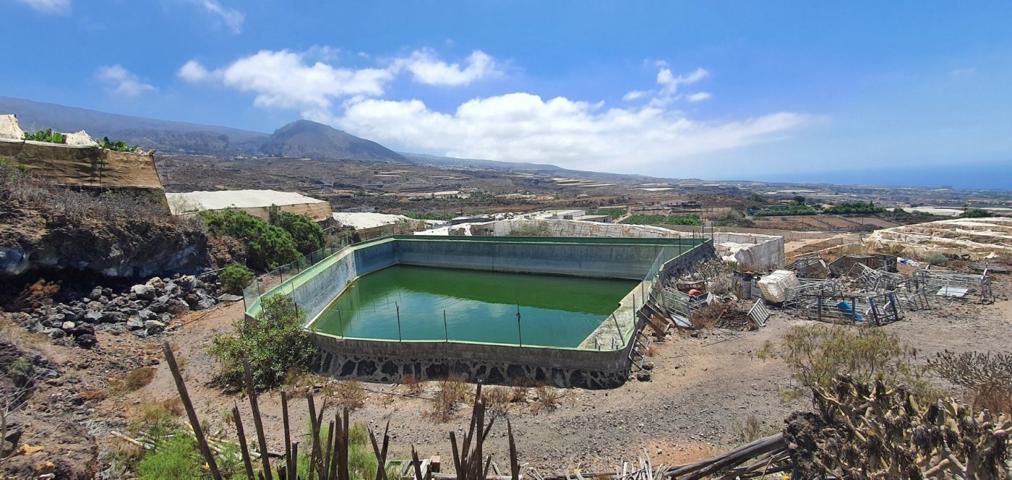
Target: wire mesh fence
520	323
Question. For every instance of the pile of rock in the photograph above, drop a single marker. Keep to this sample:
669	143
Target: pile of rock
146	309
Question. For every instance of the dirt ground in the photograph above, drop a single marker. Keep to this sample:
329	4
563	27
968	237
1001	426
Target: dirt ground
702	392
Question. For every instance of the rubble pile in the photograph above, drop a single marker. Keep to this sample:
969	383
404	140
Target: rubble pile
868	288
143	310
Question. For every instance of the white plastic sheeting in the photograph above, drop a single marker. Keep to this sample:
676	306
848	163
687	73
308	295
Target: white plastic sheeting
776	285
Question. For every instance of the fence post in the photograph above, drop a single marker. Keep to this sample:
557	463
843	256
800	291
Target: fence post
446	330
520	331
398	307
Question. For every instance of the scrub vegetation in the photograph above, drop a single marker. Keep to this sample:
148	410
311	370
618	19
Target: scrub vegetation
47	135
818	354
270	245
274	343
234	278
641	219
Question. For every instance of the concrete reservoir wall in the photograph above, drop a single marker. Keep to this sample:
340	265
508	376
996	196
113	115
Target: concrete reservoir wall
602	367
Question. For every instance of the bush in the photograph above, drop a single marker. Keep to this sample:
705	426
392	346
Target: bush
816	354
119	146
452	391
274	343
611	212
975	213
640	219
47	135
269	246
307	234
134	380
235	277
937	259
850	208
361	459
987	378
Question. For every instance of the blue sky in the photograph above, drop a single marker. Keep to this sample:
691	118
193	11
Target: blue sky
881	92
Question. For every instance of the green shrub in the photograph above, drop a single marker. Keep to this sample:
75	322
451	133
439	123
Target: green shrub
176	457
849	208
235	277
641	219
976	213
361	459
118	145
307	234
269	246
816	354
47	135
937	259
274	343
611	212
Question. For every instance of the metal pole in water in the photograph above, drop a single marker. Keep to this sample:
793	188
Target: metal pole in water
340	321
520	331
446	331
398	307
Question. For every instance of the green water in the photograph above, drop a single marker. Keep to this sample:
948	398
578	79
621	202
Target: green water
480	306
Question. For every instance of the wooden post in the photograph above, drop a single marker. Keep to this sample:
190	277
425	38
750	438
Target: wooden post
243	449
289	461
257	421
446	330
191	414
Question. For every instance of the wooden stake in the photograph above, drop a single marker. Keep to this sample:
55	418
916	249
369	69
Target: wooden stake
257	421
243	449
191	414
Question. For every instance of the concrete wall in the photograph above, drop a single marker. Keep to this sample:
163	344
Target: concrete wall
625	261
386	361
588	367
752	251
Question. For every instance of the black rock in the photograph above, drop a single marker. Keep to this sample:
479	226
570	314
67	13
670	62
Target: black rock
114	317
86	341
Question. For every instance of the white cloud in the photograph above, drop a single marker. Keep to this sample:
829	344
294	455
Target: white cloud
289	79
232	18
193	71
650	137
122	81
698	97
575	134
426	68
285	79
670	83
634	95
49	6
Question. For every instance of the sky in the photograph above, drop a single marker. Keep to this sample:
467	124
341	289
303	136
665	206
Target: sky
904	93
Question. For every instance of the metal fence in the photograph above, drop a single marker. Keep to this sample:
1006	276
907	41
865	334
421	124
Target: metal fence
403	325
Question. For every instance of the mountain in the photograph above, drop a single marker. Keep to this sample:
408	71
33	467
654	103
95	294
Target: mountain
161	135
298	139
303	138
452	162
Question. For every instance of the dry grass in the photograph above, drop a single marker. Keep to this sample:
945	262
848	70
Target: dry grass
452	391
348	394
134	380
412	385
497	400
752	429
547	399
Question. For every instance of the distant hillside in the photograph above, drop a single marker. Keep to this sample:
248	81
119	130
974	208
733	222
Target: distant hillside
451	162
303	138
161	135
